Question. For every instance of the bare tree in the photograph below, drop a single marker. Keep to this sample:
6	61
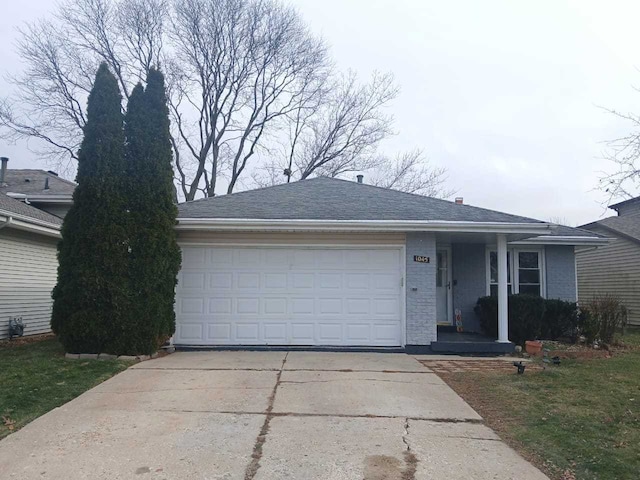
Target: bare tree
411	172
624	153
250	90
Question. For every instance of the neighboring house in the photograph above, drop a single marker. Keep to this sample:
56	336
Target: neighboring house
327	262
614	268
42	189
28	265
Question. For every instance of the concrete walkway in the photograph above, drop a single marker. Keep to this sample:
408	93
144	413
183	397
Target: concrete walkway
265	415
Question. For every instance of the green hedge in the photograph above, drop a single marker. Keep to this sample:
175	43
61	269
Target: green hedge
530	317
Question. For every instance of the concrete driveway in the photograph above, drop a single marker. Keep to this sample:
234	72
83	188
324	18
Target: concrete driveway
265	415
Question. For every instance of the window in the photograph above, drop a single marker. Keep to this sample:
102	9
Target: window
529	273
493	279
525	273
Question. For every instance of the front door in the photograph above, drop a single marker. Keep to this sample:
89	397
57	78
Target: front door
443	287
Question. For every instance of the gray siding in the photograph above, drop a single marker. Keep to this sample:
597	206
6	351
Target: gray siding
469	281
561	272
612	269
28	270
421	290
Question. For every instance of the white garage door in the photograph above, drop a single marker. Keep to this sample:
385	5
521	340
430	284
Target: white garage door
289	296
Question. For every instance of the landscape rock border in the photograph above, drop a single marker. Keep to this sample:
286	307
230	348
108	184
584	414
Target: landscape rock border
126	358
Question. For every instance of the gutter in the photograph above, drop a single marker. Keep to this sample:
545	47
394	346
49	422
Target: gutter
563	240
22	222
221	224
7	222
61	199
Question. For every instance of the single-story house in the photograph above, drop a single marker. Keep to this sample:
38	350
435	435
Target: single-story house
28	265
42	189
614	268
328	262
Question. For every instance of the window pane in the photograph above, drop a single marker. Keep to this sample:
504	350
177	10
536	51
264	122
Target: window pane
530	289
528	259
493	261
529	276
493	290
493	265
439	270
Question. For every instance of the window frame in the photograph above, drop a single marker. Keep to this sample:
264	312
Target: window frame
514	267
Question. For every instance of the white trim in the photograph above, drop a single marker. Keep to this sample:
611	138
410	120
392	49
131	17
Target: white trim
503	292
398	246
23	222
562	240
361	225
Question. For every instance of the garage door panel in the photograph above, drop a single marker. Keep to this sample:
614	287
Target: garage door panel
303	280
247	331
302	333
289	296
218	256
275	306
248	280
190	331
275	280
275	333
328	281
330	333
302	306
221	280
220	332
246	306
221	306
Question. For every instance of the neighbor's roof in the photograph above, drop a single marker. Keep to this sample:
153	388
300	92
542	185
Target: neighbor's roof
32	182
16	207
616	206
324	198
625	226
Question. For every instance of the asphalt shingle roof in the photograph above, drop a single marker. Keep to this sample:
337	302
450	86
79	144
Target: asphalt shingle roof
19	208
325	198
32	182
629	226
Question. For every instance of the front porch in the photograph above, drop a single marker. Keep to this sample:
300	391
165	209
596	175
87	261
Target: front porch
452	342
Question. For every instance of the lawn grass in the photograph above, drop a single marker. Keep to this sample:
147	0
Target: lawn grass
35	378
580	420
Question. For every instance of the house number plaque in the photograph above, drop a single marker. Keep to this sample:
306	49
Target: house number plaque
421	259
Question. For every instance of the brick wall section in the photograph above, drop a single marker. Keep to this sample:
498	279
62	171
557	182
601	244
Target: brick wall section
421	289
561	272
469	281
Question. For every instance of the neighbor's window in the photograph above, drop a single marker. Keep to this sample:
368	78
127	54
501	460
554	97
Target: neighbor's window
529	273
493	267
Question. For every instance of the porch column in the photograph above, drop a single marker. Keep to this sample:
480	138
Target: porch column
503	293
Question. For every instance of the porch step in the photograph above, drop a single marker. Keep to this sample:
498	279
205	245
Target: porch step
472	347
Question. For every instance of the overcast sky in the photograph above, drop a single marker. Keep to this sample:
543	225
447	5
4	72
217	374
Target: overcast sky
504	94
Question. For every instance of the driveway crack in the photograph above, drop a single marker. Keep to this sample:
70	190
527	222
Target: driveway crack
410	459
256	456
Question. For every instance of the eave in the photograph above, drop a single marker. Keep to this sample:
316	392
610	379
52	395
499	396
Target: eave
302	225
28	224
563	240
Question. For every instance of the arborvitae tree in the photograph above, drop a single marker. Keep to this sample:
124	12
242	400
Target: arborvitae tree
155	255
91	297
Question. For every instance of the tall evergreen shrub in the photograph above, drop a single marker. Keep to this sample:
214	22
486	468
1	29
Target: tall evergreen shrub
155	256
90	300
